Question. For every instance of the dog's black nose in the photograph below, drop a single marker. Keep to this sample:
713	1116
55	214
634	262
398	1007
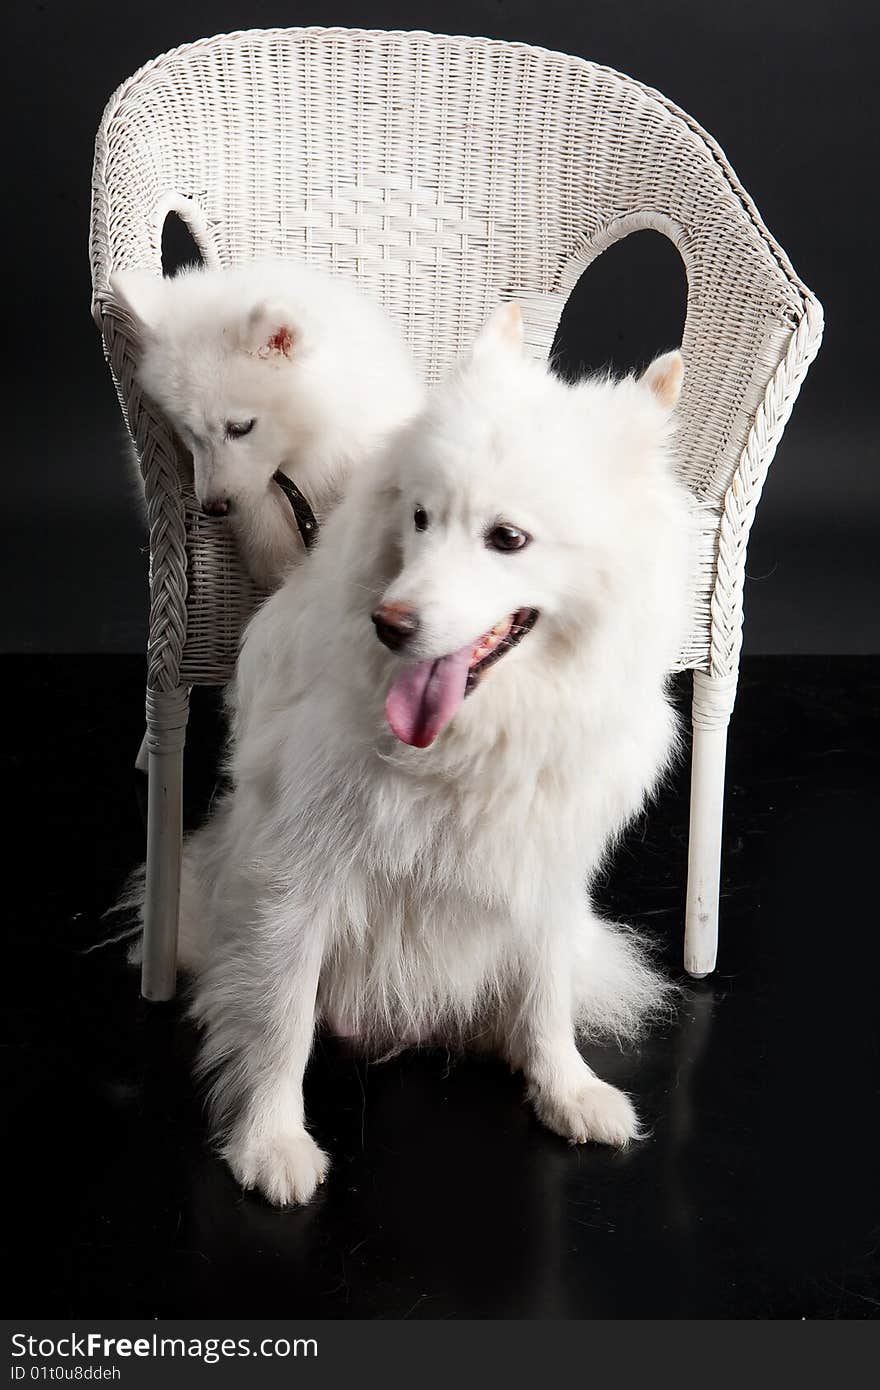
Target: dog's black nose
216	506
395	624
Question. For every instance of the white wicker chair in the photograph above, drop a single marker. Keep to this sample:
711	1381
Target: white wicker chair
444	174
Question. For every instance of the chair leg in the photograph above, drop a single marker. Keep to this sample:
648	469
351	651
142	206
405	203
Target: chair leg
712	705
166	734
141	762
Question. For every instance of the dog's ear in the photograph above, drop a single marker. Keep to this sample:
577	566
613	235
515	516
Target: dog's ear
502	332
270	332
141	294
663	378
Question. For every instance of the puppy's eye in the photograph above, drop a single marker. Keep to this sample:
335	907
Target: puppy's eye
420	519
505	537
237	429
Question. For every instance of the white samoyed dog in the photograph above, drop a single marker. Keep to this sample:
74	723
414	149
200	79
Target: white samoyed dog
265	367
437	731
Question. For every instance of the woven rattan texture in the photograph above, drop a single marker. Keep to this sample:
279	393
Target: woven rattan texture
443	174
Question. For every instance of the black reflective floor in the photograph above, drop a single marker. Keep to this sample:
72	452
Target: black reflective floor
755	1196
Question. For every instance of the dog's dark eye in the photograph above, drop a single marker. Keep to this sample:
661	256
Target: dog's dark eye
420	518
504	537
237	429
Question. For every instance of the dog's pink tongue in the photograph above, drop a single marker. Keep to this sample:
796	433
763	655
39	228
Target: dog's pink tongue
424	697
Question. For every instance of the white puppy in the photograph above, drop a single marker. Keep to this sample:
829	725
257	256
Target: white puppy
264	367
402	863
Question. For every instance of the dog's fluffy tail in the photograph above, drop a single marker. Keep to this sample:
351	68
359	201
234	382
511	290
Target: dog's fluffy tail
198	866
127	909
618	991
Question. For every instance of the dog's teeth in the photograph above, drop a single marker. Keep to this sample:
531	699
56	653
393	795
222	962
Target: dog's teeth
498	640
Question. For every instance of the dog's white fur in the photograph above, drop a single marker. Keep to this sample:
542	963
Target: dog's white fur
318	366
401	895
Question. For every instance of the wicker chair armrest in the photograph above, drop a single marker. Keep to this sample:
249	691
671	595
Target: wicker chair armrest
158	456
744	492
130	172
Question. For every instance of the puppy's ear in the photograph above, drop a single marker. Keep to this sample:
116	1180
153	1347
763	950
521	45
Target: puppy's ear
502	332
663	378
141	294
270	332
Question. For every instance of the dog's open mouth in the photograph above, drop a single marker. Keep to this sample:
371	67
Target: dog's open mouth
495	643
425	695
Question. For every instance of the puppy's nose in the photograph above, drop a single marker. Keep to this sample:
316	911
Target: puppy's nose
215	506
395	624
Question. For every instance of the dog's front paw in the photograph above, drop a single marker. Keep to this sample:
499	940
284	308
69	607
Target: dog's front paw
594	1111
285	1167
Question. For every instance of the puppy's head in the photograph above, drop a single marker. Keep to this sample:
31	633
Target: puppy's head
524	511
226	370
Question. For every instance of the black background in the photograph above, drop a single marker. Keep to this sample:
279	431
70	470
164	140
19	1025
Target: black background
787	87
756	1195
